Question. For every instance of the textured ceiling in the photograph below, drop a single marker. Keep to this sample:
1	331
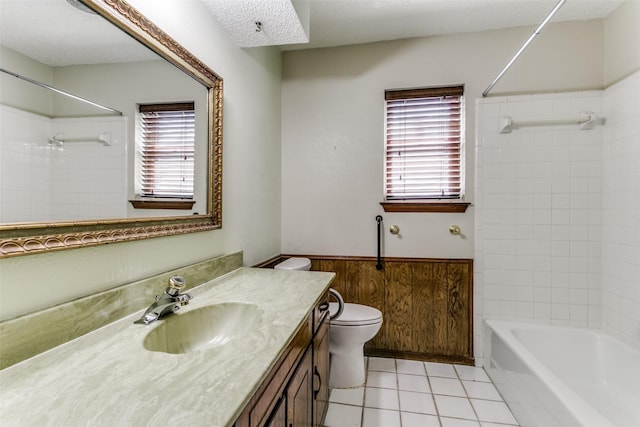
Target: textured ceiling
341	22
57	34
279	21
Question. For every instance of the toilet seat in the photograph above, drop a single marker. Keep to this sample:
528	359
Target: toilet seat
355	315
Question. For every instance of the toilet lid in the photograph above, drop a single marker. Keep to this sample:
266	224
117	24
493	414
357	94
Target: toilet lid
294	264
355	314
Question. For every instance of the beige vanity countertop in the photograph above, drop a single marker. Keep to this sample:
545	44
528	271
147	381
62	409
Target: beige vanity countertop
107	378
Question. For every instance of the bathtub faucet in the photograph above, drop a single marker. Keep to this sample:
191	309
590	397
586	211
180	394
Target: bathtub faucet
169	302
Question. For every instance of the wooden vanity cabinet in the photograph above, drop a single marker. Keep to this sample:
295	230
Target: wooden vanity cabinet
321	370
279	415
299	394
296	390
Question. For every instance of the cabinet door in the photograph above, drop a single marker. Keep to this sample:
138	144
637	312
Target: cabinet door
278	417
321	373
299	394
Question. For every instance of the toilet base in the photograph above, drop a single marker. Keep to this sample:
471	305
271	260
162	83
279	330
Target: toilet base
347	370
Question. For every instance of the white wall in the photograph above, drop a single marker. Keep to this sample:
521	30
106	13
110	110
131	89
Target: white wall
621	42
20	94
332	128
251	181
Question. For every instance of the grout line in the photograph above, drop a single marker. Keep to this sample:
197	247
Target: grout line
364	392
395	362
466	393
428	378
433	399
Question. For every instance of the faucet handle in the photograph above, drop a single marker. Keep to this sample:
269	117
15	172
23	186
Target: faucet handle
176	284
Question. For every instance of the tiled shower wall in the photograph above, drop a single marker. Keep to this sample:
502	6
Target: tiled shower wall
89	179
557	212
41	181
621	211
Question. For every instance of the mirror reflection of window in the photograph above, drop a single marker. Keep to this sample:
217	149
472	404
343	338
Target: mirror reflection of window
165	144
94	72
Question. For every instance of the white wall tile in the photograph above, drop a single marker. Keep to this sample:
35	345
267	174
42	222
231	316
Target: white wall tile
559	212
56	177
621	213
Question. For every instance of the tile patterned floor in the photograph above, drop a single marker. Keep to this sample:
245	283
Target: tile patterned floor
408	393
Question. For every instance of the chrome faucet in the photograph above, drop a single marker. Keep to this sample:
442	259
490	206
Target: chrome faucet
169	302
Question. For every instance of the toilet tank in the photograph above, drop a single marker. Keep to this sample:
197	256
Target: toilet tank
300	264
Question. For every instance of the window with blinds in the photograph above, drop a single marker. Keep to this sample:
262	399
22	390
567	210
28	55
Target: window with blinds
166	143
424	143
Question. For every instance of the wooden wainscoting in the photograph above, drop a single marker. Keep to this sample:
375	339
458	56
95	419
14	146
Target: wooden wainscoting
426	303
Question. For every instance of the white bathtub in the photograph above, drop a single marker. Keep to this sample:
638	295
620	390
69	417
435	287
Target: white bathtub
560	376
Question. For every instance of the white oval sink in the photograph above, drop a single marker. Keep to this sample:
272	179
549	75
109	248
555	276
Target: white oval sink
203	328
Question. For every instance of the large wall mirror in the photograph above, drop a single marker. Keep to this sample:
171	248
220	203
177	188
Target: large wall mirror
69	165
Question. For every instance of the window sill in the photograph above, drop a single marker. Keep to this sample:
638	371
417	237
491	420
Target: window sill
426	206
162	204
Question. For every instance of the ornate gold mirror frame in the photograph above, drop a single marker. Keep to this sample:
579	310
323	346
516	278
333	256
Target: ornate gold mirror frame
30	238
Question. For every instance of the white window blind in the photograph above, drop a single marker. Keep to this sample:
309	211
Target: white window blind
424	132
166	135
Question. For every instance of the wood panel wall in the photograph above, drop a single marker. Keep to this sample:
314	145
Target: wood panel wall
426	303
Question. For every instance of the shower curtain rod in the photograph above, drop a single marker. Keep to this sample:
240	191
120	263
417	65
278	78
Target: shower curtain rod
524	46
62	92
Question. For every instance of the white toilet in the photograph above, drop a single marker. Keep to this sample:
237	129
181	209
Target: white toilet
348	333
